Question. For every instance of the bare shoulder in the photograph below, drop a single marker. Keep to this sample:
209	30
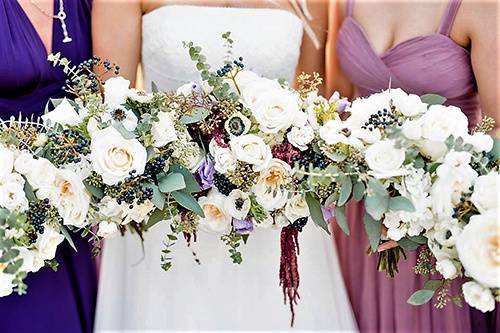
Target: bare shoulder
478	19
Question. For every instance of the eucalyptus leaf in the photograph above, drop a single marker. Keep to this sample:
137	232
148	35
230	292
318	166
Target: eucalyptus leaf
187	201
376	205
341	219
373	230
433	284
67	235
171	182
418	239
12	268
401	203
495	151
28	190
358	191
154	87
420	297
93	190
345	190
123	131
376	186
158	215
197	115
408	245
316	212
433	99
192	185
158	197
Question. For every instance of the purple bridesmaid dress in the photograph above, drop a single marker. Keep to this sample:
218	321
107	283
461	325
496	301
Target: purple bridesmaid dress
432	63
62	301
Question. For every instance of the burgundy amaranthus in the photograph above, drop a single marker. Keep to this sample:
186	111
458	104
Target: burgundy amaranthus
289	273
286	152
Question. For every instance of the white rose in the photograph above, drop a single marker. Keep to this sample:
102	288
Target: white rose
6	285
435	150
138	213
252	87
270	189
114	157
244	78
63	114
107	229
24	163
485	194
47	243
478	297
42	173
447	269
276	110
68	194
163	130
409	105
439	122
300	137
251	149
296	208
216	219
224	159
237	204
13	198
385	160
335	131
116	90
478	248
412	129
6	161
479	141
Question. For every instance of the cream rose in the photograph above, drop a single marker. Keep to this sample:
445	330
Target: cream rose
485	194
296	208
114	157
385	160
107	229
251	149
478	297
138	213
300	137
163	130
63	114
216	219
271	186
478	248
12	197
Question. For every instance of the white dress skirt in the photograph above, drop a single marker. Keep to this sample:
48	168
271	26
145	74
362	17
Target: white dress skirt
135	294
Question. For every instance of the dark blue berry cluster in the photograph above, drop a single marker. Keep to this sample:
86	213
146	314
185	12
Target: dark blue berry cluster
309	157
131	191
68	146
229	67
223	184
382	119
300	223
39	213
157	165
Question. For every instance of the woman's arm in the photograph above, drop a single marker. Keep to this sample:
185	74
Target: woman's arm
481	22
116	33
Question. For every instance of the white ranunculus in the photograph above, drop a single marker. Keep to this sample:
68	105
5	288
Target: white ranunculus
300	137
277	110
216	219
107	229
68	194
41	174
114	157
6	161
479	141
251	149
116	90
47	243
412	129
296	208
485	194
409	105
439	122
13	198
6	285
335	131
63	114
478	296
271	186
447	269
385	160
237	204
478	248
138	213
163	130
224	159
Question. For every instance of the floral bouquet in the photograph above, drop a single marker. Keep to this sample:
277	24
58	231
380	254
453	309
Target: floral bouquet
38	202
424	180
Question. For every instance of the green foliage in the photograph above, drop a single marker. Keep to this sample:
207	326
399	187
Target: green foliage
420	297
256	210
192	185
197	115
187	201
373	230
316	212
401	203
433	99
358	191
345	189
341	219
233	241
171	182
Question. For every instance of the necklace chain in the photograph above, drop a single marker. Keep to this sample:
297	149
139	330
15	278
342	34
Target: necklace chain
61	16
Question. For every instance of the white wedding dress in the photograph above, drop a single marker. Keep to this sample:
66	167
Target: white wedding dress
135	294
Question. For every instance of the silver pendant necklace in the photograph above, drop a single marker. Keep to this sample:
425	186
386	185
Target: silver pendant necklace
61	16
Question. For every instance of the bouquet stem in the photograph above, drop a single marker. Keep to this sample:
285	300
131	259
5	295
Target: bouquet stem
289	273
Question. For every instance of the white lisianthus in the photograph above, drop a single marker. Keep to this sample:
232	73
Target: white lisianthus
385	160
447	269
163	130
485	194
6	161
296	208
114	157
478	248
42	173
271	187
63	114
216	219
440	121
300	137
277	110
6	282
47	243
478	296
138	213
479	141
68	194
251	149
335	131
237	204
107	229
12	197
116	90
412	129
224	159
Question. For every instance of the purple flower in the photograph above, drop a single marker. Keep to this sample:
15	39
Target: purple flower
242	226
328	213
342	104
206	173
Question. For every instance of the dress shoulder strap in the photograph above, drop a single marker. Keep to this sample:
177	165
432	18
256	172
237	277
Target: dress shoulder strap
348	8
449	17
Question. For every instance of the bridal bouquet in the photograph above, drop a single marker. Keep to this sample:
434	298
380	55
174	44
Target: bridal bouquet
424	180
132	149
38	202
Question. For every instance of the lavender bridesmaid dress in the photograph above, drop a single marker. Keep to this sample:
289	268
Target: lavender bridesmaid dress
432	63
62	301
